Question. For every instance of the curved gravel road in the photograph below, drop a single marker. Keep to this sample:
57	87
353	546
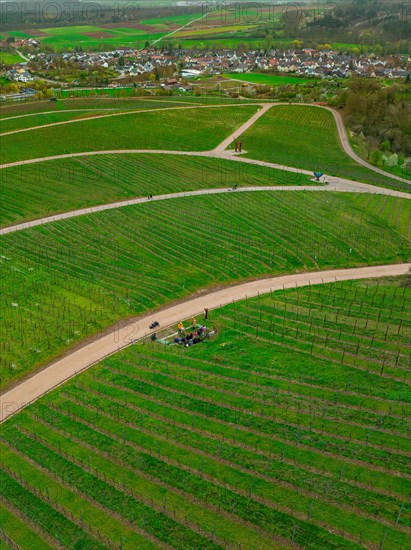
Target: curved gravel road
122	113
342	133
128	332
344	186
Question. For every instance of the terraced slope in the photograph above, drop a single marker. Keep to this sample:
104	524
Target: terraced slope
306	137
38	190
288	428
66	280
191	129
77	110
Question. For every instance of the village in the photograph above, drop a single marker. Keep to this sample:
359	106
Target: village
170	69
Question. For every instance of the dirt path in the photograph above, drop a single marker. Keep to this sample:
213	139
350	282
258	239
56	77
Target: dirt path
339	186
24	57
342	134
124	334
221	149
58	112
179	29
345	142
124	113
229	140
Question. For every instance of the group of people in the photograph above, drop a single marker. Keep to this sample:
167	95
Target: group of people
195	335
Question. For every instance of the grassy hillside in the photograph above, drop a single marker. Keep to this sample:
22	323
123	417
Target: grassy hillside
307	137
42	189
80	109
182	129
10	58
269	79
104	98
288	428
66	280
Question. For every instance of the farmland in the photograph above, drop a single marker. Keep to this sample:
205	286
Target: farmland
288	428
165	130
210	31
295	136
132	35
269	79
91	37
39	190
82	109
103	98
166	22
66	280
10	58
172	130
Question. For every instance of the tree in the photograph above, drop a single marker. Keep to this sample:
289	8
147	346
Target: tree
10	40
385	145
268	41
298	44
376	157
392	160
377	49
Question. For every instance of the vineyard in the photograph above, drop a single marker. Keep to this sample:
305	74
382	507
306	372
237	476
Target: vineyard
67	280
37	190
100	98
165	130
78	110
288	425
306	137
288	429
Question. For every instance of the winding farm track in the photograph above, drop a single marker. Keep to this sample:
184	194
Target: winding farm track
180	28
221	151
57	112
123	113
345	142
342	133
347	187
128	332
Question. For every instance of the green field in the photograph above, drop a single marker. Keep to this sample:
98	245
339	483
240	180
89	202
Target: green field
170	131
10	58
65	38
103	99
43	189
204	32
109	106
288	429
230	43
49	118
66	280
167	21
306	137
291	135
269	79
